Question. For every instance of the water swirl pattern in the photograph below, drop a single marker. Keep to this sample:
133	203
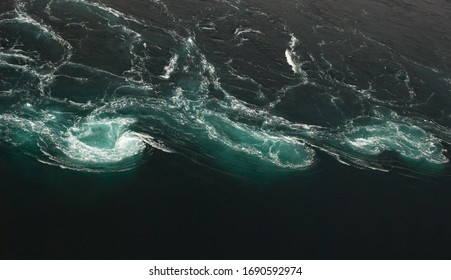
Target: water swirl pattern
85	86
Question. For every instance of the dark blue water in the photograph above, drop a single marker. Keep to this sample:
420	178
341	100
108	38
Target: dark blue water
225	129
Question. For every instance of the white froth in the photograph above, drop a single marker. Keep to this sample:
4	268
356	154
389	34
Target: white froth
170	68
293	59
103	141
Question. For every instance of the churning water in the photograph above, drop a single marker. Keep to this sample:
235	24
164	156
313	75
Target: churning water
88	87
252	89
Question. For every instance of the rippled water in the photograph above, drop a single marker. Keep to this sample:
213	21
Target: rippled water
88	87
243	87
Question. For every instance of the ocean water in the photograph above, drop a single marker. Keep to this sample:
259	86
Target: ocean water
193	129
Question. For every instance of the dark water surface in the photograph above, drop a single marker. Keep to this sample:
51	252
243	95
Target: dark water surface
162	129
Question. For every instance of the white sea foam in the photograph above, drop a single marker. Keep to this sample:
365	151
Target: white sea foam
240	31
93	144
293	59
195	111
392	133
102	141
169	69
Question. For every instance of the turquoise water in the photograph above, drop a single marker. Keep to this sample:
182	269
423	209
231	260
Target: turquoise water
250	95
97	90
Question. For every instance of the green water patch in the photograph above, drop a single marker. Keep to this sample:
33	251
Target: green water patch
384	130
89	144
